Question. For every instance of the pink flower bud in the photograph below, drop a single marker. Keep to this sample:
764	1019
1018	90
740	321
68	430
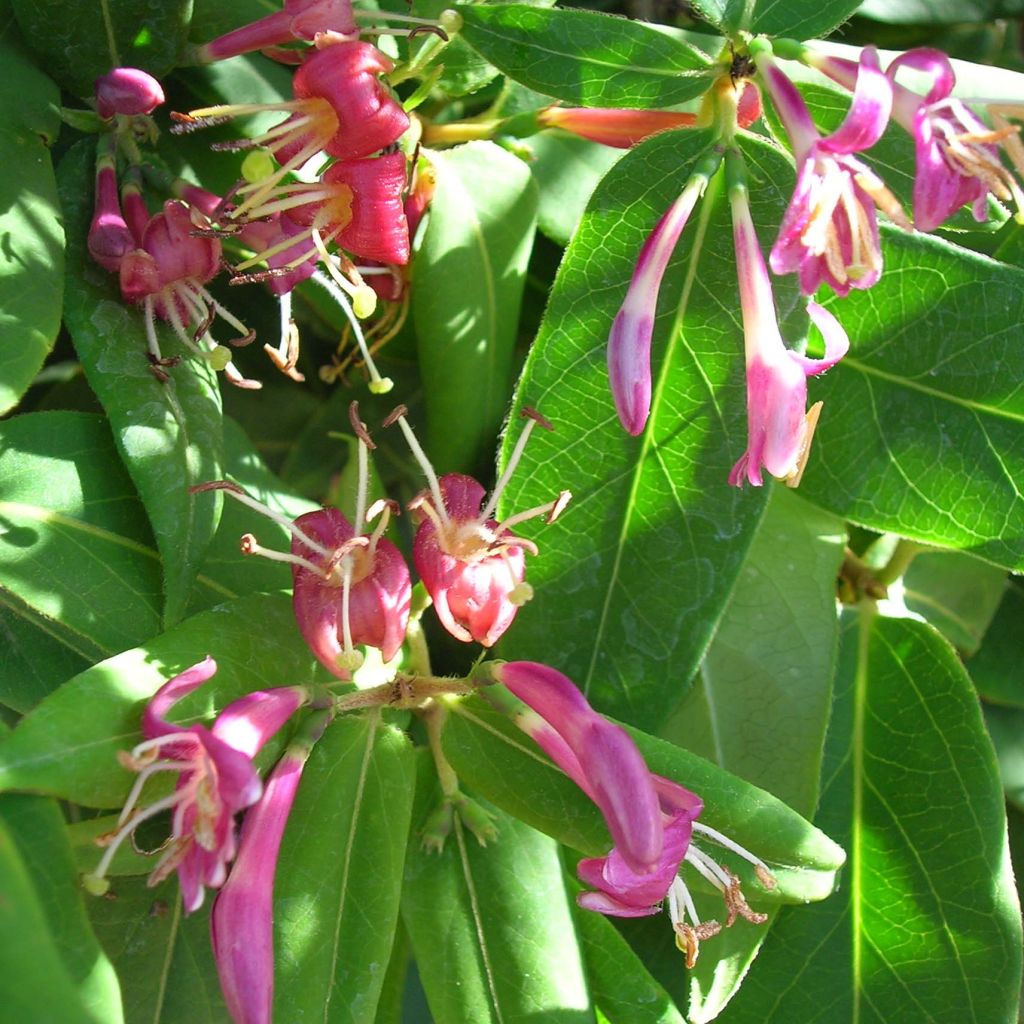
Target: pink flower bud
127	91
109	236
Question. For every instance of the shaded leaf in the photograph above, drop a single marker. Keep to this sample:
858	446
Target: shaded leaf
800	19
491	927
168	434
995	669
466	295
339	875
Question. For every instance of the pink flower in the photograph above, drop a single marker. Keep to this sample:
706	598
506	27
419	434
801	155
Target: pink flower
109	238
651	819
216	780
127	91
629	342
829	233
348	590
779	428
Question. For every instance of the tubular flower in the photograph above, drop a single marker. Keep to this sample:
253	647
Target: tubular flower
166	274
629	342
830	231
651	819
779	427
242	921
127	91
109	238
957	154
472	565
216	780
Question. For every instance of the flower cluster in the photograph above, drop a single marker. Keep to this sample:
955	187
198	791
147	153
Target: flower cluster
829	234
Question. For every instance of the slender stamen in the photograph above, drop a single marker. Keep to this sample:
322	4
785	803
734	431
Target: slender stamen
249	545
384	508
363	459
151	339
223	313
726	842
144	815
706	867
680	903
552	508
513	461
143	777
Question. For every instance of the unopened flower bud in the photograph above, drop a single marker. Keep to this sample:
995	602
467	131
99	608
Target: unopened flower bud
127	91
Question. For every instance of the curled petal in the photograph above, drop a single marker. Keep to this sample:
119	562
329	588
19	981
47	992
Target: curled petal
837	342
869	112
154	721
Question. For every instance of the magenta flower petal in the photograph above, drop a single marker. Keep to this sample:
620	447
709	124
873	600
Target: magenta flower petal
154	720
629	343
869	112
127	91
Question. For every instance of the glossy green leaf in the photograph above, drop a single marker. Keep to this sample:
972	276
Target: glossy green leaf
79	42
632	579
927	926
761	704
59	750
586	58
491	927
956	593
799	19
392	993
32	261
499	762
995	669
163	958
466	295
923	429
35	826
168	434
76	554
34	983
621	988
339	875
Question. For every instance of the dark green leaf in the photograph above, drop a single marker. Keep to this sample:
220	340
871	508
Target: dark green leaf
491	927
995	669
76	554
339	876
936	12
927	926
168	434
466	295
79	42
922	432
586	58
956	593
633	578
1006	727
32	262
800	19
163	958
499	762
57	749
36	828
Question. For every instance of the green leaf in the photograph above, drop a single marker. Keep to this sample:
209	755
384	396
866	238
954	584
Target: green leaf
936	12
34	982
632	579
32	264
1006	727
168	434
491	927
800	19
956	593
76	555
621	987
500	763
567	170
36	828
59	750
466	295
928	926
761	705
995	669
923	432
163	958
586	58
79	42
339	876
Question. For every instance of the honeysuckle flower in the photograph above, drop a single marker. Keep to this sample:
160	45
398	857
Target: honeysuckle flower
216	780
127	91
109	236
629	343
779	427
957	154
829	232
166	273
472	565
652	819
242	921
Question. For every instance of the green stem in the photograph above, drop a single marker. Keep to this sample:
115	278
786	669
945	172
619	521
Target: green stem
899	562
